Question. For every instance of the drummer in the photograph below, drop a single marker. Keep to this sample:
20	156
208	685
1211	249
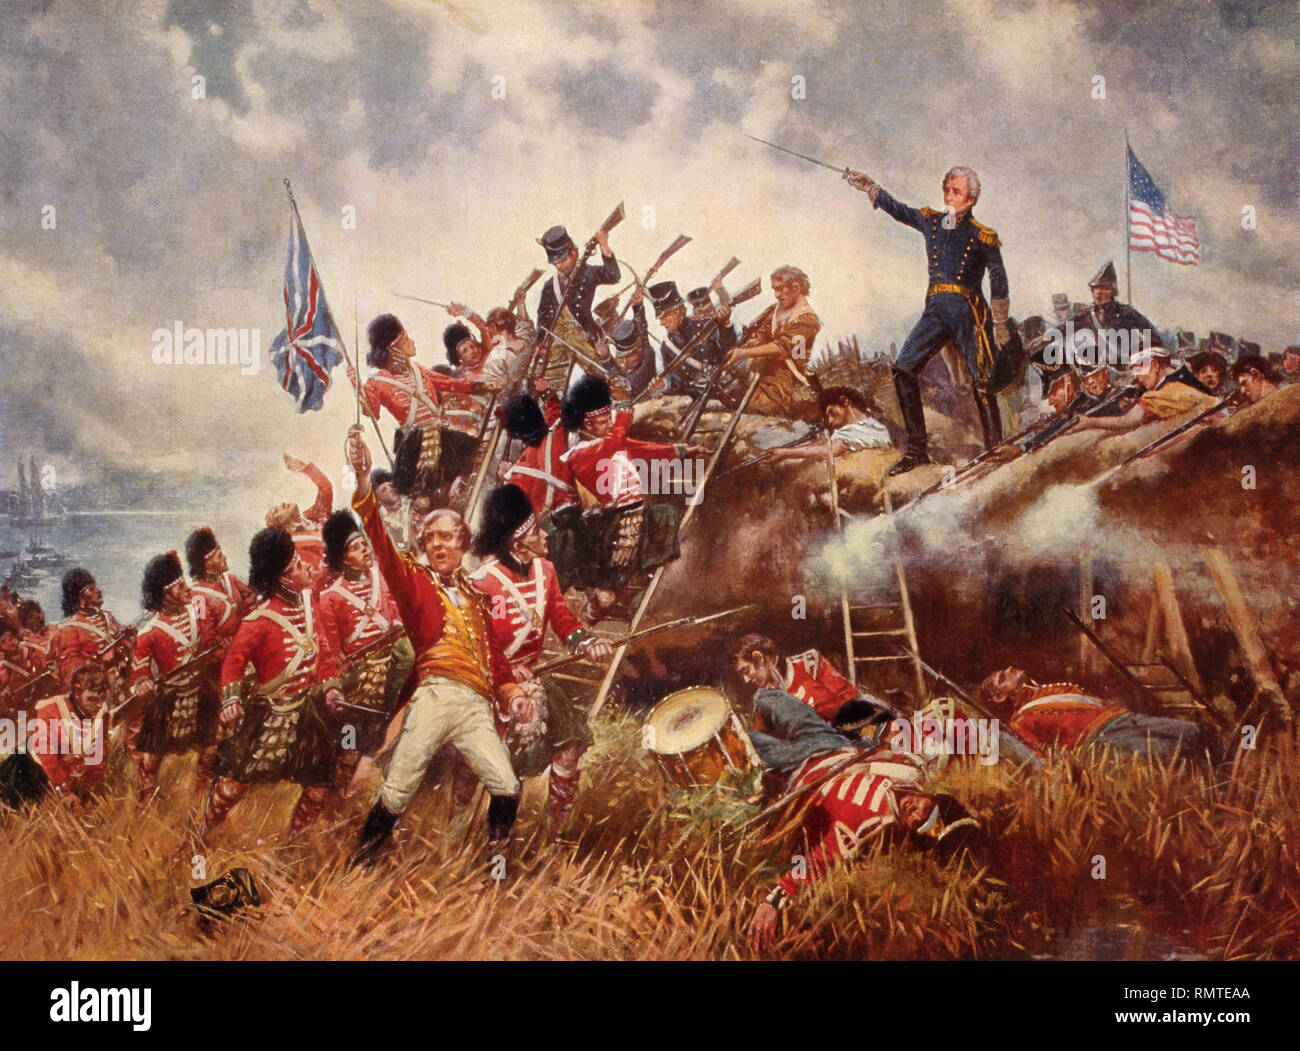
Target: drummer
810	679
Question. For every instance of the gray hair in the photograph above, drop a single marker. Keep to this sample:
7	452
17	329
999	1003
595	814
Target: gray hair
793	275
438	513
972	180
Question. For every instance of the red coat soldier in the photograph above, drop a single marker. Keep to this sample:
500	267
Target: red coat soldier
360	622
67	740
526	600
89	633
215	586
172	713
282	733
540	470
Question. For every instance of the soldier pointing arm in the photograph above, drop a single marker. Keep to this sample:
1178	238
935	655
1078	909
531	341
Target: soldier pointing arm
959	251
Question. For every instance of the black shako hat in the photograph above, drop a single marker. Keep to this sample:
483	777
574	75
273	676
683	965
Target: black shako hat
198	545
75	581
337	531
159	574
589	394
665	297
505	509
699	298
524	419
625	337
557	243
269	555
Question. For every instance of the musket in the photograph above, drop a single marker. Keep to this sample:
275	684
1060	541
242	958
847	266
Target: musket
801	156
169	677
1170	435
724	297
680	242
539	356
529	281
744	295
1020	751
1139	687
805	439
431	302
121	636
591	363
635	636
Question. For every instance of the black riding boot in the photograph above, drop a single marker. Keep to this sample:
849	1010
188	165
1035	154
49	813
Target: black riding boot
378	827
501	818
990	418
908	388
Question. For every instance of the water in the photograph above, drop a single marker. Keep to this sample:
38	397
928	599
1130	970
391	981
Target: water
115	545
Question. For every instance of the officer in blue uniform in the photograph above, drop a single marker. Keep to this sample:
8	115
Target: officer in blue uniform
959	251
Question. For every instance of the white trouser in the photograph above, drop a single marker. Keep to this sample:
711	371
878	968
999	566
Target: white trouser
443	711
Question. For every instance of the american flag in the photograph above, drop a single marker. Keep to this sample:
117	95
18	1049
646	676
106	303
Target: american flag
309	347
1152	227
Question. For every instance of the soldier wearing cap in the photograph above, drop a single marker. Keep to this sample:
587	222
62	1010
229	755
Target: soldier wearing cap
701	302
692	375
1290	369
960	251
1107	315
178	715
634	362
564	306
1210	370
1169	392
526	601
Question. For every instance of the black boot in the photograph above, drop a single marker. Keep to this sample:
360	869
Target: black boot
501	818
990	419
908	388
378	827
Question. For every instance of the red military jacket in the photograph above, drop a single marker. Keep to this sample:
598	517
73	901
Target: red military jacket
419	596
37	647
848	808
810	677
542	473
70	748
522	604
167	641
1059	715
225	602
604	465
282	641
413	399
78	639
15	673
354	613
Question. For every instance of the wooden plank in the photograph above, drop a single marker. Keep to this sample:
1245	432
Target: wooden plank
1176	631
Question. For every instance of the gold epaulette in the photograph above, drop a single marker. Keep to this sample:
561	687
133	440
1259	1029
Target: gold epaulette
412	559
929	213
987	236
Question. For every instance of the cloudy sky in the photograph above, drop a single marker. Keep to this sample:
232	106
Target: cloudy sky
171	208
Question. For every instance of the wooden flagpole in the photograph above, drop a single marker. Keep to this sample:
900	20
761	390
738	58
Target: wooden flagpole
1128	250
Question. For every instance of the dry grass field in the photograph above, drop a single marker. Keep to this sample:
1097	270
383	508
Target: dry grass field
1196	865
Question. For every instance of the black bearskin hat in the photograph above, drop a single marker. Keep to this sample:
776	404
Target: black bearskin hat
159	574
198	545
524	420
379	476
452	337
505	510
336	533
75	581
269	556
589	394
382	331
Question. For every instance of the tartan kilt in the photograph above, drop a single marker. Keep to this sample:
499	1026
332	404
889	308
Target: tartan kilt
300	745
373	682
425	458
582	543
566	724
180	721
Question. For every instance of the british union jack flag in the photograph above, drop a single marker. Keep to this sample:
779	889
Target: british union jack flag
309	347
